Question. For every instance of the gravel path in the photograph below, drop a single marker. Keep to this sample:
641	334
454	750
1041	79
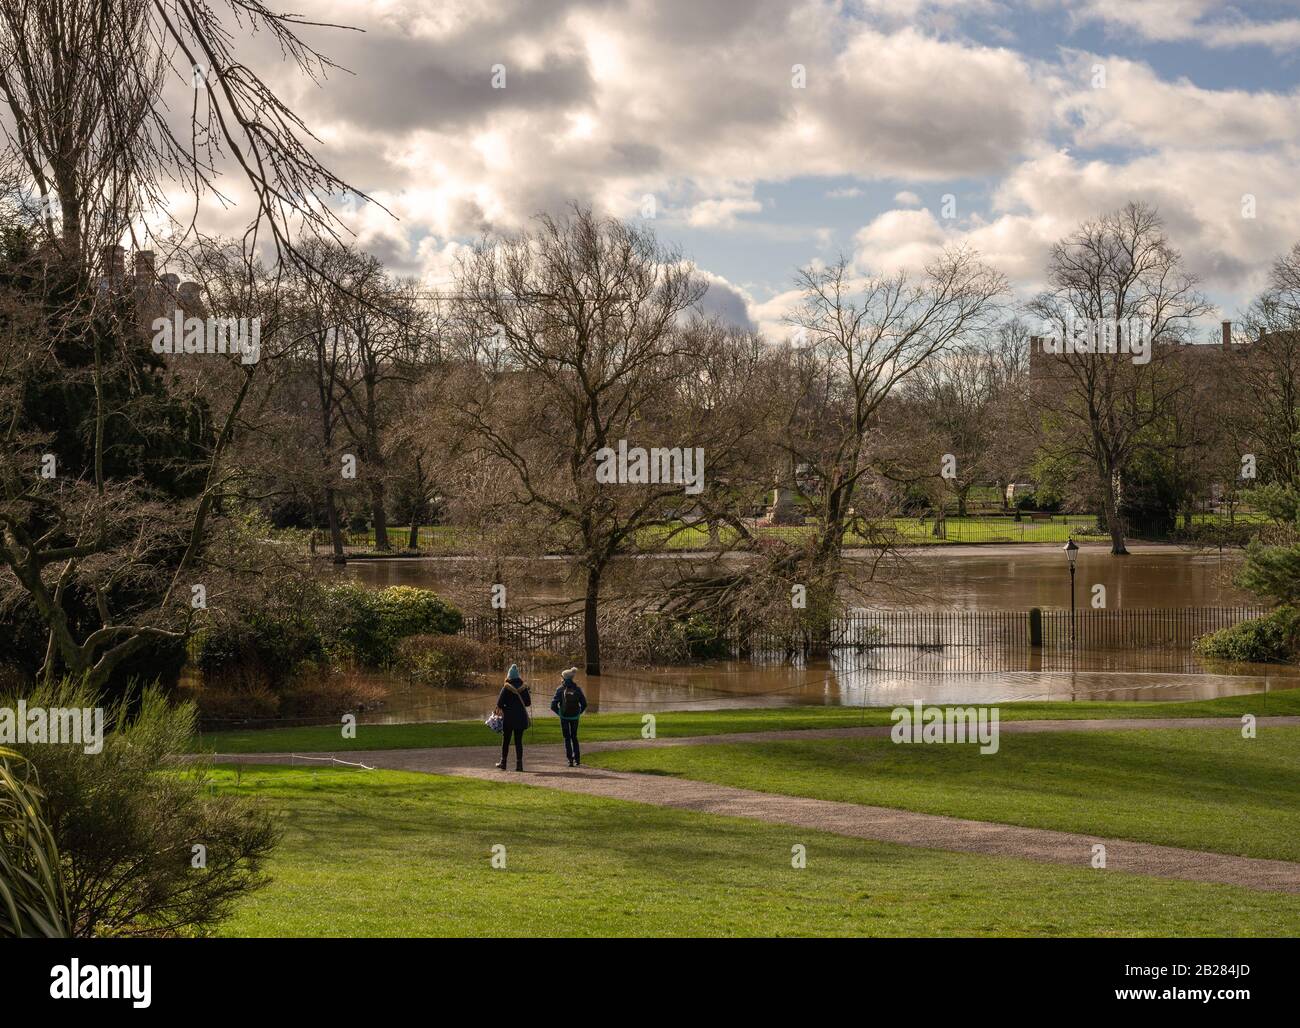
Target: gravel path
546	768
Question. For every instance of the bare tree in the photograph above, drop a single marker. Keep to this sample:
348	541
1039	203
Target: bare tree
864	338
86	84
391	338
1114	283
91	150
959	404
106	505
584	312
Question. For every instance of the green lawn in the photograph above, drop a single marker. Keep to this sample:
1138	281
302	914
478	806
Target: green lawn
680	724
909	531
398	854
1206	789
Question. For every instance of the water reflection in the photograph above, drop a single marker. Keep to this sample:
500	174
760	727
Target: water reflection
976	578
991	578
842	680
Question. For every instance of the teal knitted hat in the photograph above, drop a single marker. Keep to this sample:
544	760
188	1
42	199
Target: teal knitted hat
513	674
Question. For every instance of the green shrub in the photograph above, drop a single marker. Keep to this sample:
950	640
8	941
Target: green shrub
345	622
1271	639
448	660
410	611
126	819
422	658
1272	569
352	624
33	896
704	638
267	647
365	626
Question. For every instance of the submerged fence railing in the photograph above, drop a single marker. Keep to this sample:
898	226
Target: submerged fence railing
940	641
935	642
561	633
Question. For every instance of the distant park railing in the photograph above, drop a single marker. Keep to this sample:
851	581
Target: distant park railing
1204	530
1012	640
940	640
560	633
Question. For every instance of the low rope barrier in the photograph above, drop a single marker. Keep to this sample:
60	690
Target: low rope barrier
332	760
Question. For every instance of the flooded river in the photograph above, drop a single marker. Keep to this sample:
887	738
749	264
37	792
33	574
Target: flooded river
965	578
949	578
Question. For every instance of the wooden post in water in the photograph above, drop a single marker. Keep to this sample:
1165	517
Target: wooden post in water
1036	627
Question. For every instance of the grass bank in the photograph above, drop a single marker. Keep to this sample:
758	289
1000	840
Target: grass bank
1205	789
397	854
682	724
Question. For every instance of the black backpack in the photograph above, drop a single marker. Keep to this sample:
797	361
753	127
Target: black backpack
569	703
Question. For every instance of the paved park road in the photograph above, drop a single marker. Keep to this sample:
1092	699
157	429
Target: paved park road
547	768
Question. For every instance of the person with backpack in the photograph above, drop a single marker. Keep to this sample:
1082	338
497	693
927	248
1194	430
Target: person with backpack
569	702
512	704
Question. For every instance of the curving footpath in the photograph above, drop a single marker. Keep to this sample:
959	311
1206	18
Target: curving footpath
546	768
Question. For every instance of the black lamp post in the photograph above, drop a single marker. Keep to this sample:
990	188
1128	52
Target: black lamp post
1071	554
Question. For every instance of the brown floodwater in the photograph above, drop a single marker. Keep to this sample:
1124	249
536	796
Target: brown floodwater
948	578
965	578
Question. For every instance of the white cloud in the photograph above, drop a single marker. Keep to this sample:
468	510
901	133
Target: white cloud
1197	192
1208	22
720	213
608	102
1138	108
899	240
691	102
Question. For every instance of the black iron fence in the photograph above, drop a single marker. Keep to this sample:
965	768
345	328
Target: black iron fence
1166	628
561	633
941	641
1011	640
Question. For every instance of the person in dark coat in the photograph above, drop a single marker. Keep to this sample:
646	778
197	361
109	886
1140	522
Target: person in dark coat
569	702
513	703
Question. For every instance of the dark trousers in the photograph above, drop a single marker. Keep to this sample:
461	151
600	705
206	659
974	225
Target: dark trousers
569	729
518	732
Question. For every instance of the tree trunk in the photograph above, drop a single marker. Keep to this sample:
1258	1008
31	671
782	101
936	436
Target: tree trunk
332	518
590	630
413	540
380	516
1113	523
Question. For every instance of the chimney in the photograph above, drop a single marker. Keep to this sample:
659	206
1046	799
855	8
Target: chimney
145	269
1227	334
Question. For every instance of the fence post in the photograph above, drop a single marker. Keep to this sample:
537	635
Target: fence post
1036	627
